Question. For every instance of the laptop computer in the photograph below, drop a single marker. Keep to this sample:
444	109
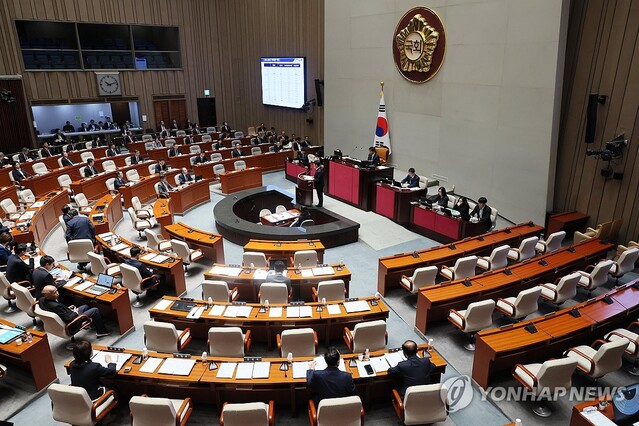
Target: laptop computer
102	285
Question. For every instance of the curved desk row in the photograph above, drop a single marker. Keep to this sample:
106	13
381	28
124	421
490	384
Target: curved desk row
265	324
391	268
285	250
212	245
248	279
434	302
500	349
141	145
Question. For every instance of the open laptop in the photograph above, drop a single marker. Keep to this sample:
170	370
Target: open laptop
102	285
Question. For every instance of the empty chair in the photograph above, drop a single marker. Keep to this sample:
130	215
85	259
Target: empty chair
151	168
169	143
88	145
254	258
79	251
216	156
251	131
280	209
248	413
194	149
83	203
275	293
370	334
305	258
552	243
99	265
597	276
7	292
543	379
298	341
498	259
164	337
239	165
464	268
53	324
206	138
256	150
521	306
331	290
127	161
219	169
602	231
525	251
239	134
72	405
596	363
65	182
477	316
110	184
25	301
147	411
346	411
624	263
180	133
85	156
210	130
228	342
156	242
187	254
132	175
39	168
422	277
132	280
109	166
218	291
9	208
147	138
265	212
139	224
632	351
563	289
421	404
148	146
141	211
26	197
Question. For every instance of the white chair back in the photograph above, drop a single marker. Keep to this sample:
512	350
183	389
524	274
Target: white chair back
226	342
160	337
257	259
215	157
132	175
298	341
499	257
219	169
240	165
346	411
479	315
218	291
331	290
245	414
305	258
424	404
109	166
370	334
70	404
275	293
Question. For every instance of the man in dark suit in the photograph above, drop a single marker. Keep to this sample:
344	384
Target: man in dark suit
318	181
188	140
119	181
237	152
18	172
331	382
482	213
162	129
90	169
42	276
66	213
201	158
174	151
413	371
25	155
136	158
174	127
83	128
66	161
411	180
112	151
261	128
49	302
17	269
184	177
373	158
225	127
161	166
68	127
4	161
164	187
92	126
128	138
5	248
45	151
80	228
86	373
144	271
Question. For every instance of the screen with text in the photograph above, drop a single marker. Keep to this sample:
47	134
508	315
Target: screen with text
283	82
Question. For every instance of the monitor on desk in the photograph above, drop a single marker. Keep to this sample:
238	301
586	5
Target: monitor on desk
365	164
104	280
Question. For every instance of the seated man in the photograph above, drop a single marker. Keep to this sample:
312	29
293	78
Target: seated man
184	177
164	187
49	302
145	272
42	276
68	127
161	166
237	152
277	276
136	158
25	155
90	169
17	269
481	213
413	371
119	181
174	151
5	250
86	373
66	161
45	151
4	160
112	151
201	158
373	158
331	382
411	180
18	173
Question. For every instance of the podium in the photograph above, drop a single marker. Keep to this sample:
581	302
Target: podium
304	189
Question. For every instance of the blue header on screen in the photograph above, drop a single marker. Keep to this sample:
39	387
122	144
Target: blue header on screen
283	81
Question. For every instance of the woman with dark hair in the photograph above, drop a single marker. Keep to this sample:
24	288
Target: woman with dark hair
442	199
86	373
463	208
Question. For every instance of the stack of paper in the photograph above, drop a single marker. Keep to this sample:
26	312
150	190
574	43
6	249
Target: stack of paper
226	370
233	311
105	235
177	366
147	256
259	274
333	309
253	370
326	270
150	365
120	247
163	304
159	258
217	310
84	286
356	306
226	270
299	312
275	312
379	364
394	358
118	358
73	281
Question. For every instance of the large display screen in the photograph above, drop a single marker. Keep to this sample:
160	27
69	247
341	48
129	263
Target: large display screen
283	82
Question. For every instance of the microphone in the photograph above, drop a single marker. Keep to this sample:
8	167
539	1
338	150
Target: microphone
349	154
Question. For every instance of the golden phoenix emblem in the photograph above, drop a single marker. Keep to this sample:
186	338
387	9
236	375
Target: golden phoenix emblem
416	44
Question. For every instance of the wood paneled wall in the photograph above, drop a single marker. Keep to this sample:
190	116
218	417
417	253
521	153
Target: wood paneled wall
221	41
602	57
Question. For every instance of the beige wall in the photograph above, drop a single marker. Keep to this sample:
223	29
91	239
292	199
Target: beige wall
486	121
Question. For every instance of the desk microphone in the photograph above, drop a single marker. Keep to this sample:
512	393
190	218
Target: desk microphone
349	154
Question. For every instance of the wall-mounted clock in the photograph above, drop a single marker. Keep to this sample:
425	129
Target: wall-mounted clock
109	84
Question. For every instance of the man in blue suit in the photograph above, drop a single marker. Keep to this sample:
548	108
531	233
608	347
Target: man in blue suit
80	228
373	158
411	180
144	271
184	177
332	382
412	372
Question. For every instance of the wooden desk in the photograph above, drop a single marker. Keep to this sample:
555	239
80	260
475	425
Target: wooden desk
568	221
203	386
34	357
106	213
42	184
9	192
285	250
578	419
499	349
239	180
212	245
163	214
280	219
391	268
145	188
249	287
264	328
436	225
395	203
173	271
44	218
352	184
435	302
293	169
185	197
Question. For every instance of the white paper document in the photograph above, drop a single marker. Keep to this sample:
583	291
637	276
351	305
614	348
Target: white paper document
119	247
84	286
217	310
259	274
394	358
230	311
362	372
333	309
244	371
105	235
307	273
292	312
261	370
150	365
226	370
275	312
147	256
163	304
379	364
299	369
73	281
37	204
597	418
244	311
196	312
326	270
177	366
118	358
159	258
356	306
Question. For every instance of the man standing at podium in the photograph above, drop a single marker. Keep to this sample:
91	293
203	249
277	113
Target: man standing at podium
318	181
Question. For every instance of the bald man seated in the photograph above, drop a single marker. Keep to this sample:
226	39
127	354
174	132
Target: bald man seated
411	372
49	302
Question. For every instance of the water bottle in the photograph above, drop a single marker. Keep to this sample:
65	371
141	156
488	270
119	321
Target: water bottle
145	353
430	345
289	357
209	302
266	304
517	422
29	337
204	356
323	301
367	355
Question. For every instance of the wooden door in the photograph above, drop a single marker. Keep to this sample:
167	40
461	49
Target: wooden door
170	110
